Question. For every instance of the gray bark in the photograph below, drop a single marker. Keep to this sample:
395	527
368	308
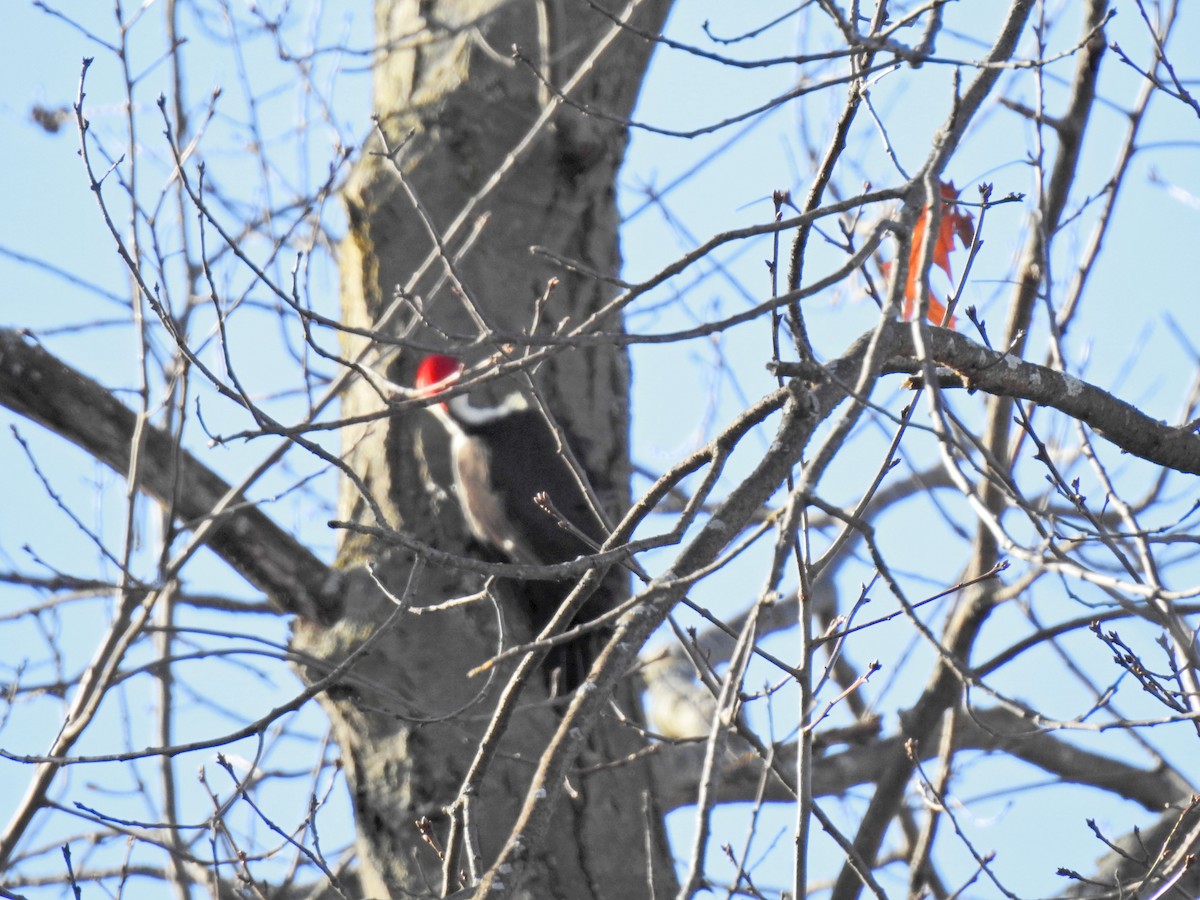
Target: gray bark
409	720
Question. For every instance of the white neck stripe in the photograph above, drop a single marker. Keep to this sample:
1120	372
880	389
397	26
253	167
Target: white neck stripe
461	409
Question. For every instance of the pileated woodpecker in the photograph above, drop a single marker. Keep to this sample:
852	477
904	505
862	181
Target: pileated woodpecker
503	457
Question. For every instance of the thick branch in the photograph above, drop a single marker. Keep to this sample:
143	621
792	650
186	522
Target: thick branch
997	729
1002	375
36	385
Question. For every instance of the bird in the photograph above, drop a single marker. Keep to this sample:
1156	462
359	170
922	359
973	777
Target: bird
523	501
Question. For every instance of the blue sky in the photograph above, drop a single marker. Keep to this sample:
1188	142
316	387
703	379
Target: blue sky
1127	340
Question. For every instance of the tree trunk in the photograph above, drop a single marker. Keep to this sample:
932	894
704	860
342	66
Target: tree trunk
454	107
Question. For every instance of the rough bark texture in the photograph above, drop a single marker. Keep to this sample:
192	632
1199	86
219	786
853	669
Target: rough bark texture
410	720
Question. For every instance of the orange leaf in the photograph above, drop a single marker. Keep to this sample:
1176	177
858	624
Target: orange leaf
937	311
954	223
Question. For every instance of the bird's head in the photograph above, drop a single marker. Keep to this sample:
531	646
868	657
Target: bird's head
436	373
